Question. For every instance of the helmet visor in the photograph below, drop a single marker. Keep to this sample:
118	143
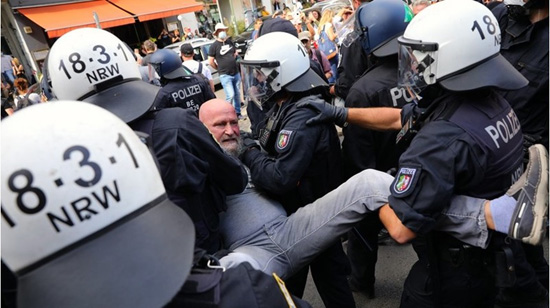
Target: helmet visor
257	79
417	65
348	32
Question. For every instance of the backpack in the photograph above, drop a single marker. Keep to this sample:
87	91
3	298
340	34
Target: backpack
199	74
24	101
327	46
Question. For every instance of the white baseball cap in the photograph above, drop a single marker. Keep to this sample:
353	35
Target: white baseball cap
219	26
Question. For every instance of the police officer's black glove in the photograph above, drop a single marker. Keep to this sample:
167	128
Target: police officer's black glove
246	134
327	113
248	144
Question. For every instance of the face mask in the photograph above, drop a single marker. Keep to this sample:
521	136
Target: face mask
222	35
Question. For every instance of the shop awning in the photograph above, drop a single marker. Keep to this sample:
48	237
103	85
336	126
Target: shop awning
147	9
59	19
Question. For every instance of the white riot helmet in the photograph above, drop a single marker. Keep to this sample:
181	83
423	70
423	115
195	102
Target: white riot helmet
268	68
86	221
93	65
455	43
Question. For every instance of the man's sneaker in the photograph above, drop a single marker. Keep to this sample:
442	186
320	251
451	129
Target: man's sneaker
531	193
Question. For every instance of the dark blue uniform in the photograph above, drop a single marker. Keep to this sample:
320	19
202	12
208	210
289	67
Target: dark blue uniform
304	161
195	171
525	46
475	151
303	164
369	149
352	65
185	92
364	148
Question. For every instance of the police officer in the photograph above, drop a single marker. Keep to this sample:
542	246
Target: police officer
80	219
297	163
93	65
466	139
354	62
525	45
179	87
365	148
257	113
456	136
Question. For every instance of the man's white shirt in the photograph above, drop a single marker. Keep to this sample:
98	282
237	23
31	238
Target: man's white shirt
193	65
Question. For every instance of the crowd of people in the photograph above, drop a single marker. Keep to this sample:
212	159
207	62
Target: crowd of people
17	90
168	203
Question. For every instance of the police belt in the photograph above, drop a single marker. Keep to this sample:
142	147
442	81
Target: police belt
498	261
457	254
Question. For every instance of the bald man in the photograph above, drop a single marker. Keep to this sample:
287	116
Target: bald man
256	229
222	122
315	227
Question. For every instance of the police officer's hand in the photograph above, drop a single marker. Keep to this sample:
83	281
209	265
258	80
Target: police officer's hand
327	113
249	143
246	134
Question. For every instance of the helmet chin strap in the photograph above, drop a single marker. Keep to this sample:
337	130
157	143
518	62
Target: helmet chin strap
429	94
272	76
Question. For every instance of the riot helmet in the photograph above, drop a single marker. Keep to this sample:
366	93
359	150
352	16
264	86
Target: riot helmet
379	23
459	53
267	69
93	65
90	214
167	64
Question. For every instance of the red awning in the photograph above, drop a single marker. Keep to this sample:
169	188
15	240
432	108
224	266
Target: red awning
147	9
59	19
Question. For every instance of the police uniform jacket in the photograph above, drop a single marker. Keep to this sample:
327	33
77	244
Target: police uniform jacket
303	163
364	148
185	92
353	64
196	173
525	46
476	151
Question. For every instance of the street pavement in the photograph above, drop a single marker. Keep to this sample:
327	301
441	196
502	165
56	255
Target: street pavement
394	262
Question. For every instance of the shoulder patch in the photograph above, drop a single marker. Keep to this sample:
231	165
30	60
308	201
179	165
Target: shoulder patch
405	179
283	140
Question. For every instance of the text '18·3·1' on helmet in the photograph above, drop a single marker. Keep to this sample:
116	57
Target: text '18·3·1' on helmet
90	224
456	44
268	68
93	65
379	23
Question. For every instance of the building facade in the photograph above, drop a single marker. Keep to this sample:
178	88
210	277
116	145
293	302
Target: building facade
30	27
